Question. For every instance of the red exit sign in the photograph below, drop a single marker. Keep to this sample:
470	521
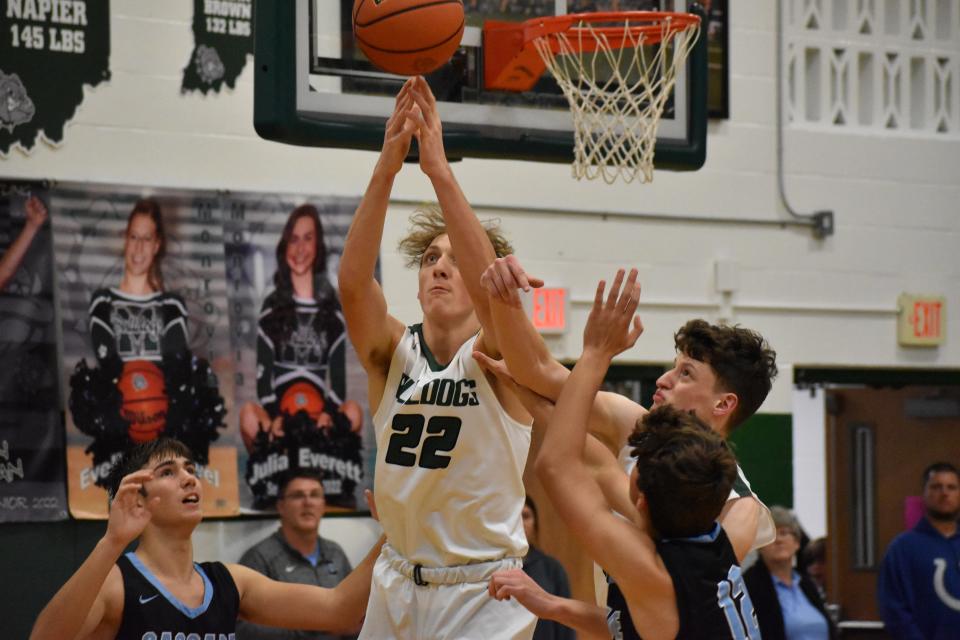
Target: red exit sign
548	309
922	320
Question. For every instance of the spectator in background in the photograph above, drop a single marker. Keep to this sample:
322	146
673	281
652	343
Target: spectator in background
296	552
787	603
547	572
813	562
919	584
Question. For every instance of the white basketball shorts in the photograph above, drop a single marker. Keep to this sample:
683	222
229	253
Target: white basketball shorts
407	602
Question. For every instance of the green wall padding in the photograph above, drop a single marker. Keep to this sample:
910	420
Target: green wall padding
764	448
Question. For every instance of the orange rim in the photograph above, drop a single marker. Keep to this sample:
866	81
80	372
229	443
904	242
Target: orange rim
645	26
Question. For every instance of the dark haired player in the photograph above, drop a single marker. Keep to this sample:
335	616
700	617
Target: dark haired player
721	373
674	570
158	591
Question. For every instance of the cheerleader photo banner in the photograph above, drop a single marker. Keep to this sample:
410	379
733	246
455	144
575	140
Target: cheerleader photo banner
145	335
301	392
32	484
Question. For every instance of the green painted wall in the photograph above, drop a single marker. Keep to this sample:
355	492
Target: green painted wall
764	448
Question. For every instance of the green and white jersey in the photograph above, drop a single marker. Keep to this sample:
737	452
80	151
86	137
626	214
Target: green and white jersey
448	483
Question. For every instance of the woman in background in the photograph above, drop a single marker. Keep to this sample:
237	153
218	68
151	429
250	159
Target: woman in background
787	603
301	364
146	382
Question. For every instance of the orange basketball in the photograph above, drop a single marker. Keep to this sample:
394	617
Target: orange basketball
145	400
302	396
408	37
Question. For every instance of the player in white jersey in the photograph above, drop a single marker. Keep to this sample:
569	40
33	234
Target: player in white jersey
451	443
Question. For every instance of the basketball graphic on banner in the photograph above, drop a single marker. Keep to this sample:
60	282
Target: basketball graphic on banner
145	401
302	396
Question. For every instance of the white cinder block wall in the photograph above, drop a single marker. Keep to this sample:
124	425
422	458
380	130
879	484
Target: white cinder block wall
826	302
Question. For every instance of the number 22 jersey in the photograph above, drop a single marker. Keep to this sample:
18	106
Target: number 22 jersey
450	460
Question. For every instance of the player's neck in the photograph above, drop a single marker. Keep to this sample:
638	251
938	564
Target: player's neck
166	553
304	542
445	339
135	285
302	285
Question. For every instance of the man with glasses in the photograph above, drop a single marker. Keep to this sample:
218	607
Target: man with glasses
296	552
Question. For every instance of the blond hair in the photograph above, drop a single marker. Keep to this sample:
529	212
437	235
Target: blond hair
427	223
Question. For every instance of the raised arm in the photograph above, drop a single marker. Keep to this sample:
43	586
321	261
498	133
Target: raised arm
93	596
372	330
10	261
619	546
468	238
613	416
576	614
298	606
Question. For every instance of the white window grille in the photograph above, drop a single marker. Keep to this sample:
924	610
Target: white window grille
888	66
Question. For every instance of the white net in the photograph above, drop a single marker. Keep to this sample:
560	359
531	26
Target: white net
617	86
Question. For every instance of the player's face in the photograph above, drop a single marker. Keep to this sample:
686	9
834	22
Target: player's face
781	550
691	385
442	291
141	245
175	482
302	247
941	496
302	504
529	523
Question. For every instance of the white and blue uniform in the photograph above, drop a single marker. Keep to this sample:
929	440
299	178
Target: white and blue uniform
449	492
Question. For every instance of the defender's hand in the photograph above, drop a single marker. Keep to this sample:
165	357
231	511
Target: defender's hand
609	329
538	406
514	583
504	276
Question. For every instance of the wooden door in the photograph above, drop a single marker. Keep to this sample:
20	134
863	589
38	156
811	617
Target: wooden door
876	454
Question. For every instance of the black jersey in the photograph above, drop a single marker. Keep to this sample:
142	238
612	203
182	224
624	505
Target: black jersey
301	340
150	612
712	601
137	327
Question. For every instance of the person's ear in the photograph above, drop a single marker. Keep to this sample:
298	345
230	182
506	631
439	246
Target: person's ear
725	405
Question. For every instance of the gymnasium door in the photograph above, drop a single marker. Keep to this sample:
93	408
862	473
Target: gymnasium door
877	448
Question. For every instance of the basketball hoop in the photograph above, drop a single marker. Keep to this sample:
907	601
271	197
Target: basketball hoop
616	69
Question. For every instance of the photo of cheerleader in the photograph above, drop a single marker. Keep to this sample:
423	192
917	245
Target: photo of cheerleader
145	381
301	371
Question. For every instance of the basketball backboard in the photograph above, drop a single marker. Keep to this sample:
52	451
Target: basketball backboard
314	87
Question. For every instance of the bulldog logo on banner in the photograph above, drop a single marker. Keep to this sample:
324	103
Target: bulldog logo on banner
48	51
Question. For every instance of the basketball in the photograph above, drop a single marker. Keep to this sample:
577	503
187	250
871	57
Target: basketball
408	37
145	400
302	396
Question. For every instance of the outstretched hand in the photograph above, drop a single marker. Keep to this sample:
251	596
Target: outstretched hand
36	212
400	130
504	277
429	129
514	583
130	508
538	406
609	329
